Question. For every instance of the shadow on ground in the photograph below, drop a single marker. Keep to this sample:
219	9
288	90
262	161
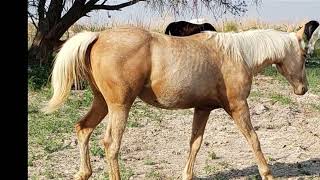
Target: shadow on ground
280	171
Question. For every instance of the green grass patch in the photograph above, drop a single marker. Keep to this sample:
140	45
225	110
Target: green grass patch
50	130
126	172
210	169
316	107
272	71
31	158
255	94
313	76
254	177
148	161
140	110
154	175
96	150
284	100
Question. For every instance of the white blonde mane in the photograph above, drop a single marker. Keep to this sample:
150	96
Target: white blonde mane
255	46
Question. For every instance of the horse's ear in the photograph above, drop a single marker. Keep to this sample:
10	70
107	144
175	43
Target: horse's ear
300	32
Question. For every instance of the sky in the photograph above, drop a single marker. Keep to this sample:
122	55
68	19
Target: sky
289	11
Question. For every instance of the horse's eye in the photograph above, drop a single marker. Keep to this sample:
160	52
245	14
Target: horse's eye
304	55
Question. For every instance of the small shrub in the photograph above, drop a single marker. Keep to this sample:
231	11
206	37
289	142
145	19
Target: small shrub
230	26
213	156
38	77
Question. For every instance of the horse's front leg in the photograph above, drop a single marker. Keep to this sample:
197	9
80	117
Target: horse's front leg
198	125
240	113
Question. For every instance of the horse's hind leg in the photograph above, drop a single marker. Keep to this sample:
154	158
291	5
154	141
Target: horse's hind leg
118	114
84	128
119	97
200	119
239	111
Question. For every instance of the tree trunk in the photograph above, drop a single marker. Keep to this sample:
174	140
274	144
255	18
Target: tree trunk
40	50
45	43
48	35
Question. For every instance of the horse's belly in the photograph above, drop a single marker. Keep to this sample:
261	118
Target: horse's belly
166	99
178	94
181	80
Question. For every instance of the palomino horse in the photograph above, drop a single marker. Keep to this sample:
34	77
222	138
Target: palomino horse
205	71
183	28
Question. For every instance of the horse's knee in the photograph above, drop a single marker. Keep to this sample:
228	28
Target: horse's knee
106	142
95	115
111	148
78	127
81	129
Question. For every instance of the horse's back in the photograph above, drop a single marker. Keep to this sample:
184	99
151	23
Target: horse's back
121	42
125	35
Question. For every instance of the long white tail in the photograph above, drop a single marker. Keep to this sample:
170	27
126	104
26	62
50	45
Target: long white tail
69	67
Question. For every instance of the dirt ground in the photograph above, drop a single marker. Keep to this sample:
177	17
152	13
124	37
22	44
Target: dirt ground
289	133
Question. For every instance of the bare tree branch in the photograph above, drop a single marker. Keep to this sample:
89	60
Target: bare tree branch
216	7
236	9
91	3
54	12
103	2
32	19
112	7
64	5
41	12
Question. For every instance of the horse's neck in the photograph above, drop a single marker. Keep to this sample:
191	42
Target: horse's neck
256	61
259	67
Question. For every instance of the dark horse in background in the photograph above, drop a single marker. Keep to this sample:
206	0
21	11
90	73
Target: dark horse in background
183	28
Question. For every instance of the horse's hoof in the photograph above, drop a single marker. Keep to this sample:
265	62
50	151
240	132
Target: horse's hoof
267	177
187	178
82	176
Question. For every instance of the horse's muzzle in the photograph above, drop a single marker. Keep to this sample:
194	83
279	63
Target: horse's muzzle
301	90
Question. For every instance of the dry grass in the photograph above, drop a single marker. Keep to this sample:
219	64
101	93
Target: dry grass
257	24
159	25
